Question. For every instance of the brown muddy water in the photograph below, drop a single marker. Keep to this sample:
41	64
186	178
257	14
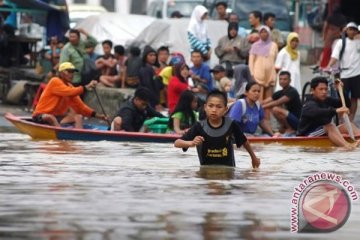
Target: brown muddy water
109	190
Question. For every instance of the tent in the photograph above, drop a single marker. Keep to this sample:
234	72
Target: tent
119	28
173	33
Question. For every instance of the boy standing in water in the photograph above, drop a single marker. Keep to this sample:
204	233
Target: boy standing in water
213	136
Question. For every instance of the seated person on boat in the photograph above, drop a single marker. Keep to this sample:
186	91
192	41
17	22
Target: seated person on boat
184	114
248	112
133	113
213	135
317	114
285	105
60	103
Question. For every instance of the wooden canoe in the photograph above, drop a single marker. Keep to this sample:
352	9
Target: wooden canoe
40	131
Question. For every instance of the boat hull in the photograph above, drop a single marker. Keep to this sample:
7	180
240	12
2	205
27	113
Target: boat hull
40	131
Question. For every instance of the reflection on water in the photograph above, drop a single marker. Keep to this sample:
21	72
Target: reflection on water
108	190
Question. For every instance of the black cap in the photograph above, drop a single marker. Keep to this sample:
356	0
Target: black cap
218	68
176	14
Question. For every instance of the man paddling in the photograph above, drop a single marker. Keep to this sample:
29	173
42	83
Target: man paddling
318	111
60	103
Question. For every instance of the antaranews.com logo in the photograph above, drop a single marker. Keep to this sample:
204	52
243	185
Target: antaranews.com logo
321	203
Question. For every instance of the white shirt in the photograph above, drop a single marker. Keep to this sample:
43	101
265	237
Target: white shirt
350	62
284	63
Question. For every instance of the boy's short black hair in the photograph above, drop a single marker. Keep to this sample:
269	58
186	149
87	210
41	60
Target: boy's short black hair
221	3
135	51
73	30
268	15
285	73
316	81
219	94
108	42
119	49
195	51
163	48
143	94
257	14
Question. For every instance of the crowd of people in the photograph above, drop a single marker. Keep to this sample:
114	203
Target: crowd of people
258	73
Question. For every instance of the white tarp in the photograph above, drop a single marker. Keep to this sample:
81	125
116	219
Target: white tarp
173	33
119	28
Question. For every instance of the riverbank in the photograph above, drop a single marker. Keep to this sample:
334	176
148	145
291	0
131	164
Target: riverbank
5	126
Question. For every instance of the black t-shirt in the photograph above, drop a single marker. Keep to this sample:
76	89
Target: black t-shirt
132	118
217	149
316	114
294	104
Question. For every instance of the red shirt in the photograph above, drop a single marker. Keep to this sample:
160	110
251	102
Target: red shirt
175	88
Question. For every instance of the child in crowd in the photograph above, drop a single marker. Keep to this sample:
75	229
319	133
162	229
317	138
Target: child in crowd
117	77
133	113
200	75
213	136
178	84
248	112
148	77
163	54
197	33
184	115
167	73
132	65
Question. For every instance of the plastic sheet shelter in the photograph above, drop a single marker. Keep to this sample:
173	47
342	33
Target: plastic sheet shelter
119	28
173	33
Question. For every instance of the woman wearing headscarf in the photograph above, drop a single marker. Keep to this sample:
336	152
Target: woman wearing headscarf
232	49
288	59
197	32
262	62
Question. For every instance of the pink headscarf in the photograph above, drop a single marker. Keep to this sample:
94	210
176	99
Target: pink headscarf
262	48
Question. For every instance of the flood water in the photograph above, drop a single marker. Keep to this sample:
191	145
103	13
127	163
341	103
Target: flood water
108	190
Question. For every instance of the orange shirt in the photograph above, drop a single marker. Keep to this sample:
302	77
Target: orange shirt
59	96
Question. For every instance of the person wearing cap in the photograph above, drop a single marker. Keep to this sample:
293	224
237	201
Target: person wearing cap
90	50
176	14
218	72
133	113
222	82
60	103
75	51
349	65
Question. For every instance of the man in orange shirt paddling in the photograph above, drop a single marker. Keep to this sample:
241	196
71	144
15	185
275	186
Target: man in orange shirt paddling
60	103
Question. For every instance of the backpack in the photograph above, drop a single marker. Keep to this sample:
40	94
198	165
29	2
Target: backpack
243	106
89	71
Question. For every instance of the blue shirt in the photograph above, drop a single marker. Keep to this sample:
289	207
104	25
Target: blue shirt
204	72
249	120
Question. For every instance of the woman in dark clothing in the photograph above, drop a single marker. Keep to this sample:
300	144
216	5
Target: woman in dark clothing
148	77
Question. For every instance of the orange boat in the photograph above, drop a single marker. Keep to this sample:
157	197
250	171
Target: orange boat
100	133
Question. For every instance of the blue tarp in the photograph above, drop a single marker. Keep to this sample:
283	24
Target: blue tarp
34	4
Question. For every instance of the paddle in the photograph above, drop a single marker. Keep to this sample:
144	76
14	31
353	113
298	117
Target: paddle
345	115
102	108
